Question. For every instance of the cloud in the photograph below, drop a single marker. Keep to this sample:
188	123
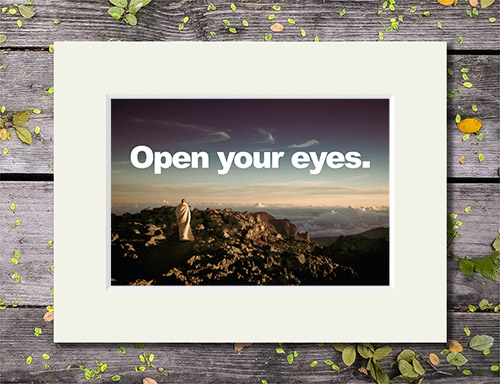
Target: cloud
204	134
305	145
268	136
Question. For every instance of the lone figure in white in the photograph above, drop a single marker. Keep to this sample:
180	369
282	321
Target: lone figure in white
183	215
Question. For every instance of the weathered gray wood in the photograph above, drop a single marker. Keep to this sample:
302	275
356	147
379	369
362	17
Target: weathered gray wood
34	207
210	363
159	21
28	92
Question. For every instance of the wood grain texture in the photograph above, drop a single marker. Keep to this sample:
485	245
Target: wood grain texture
30	73
89	20
218	363
34	207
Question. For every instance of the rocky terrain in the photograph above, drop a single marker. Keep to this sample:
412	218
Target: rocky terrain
235	248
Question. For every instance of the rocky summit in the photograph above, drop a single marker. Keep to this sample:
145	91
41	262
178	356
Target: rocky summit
230	248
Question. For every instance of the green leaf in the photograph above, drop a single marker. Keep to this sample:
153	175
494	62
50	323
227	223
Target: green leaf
407	355
38	332
340	346
466	371
466	266
122	350
460	40
413	9
480	157
17	255
349	355
291	21
329	362
481	342
233	30
226	22
465	137
211	7
486	352
130	19
280	350
271	17
26	12
467	331
456	359
2	39
342	12
485	304
450	72
364	352
488	266
496	243
119	3
45	356
233	7
14	261
21	117
480	136
439	25
302	32
313	363
37	111
377	373
457	119
49	91
290	358
467	84
494	368
180	27
418	367
116	378
277	7
268	37
136	5
37	130
245	23
467	209
407	369
29	359
472	308
24	135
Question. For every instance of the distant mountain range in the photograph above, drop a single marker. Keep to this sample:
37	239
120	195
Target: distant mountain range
240	248
376	233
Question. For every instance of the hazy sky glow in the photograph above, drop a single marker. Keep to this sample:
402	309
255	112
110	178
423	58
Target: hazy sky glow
212	125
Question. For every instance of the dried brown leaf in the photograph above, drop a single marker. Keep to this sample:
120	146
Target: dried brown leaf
149	380
3	134
473	3
462	159
363	370
454	346
277	27
49	317
239	346
434	359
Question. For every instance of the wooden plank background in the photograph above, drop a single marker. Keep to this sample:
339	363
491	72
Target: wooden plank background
26	179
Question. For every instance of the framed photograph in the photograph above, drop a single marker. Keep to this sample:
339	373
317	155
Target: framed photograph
282	199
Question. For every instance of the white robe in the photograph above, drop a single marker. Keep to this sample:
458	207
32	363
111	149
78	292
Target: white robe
183	215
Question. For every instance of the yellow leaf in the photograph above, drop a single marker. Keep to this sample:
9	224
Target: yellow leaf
434	359
454	346
470	125
446	2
